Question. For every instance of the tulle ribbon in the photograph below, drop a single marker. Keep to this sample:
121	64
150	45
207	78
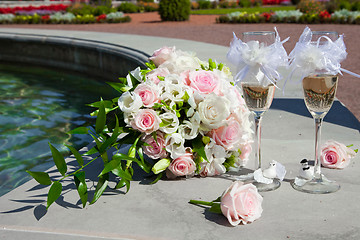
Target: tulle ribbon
310	57
256	61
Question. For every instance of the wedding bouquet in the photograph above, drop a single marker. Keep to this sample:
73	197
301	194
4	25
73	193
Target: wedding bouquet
187	116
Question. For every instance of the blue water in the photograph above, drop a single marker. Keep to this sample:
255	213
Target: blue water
38	106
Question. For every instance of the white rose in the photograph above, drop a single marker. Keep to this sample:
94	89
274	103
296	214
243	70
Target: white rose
136	73
175	145
130	103
213	111
189	130
170	122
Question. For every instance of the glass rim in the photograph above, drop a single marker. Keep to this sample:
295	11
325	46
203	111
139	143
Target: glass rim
324	32
259	33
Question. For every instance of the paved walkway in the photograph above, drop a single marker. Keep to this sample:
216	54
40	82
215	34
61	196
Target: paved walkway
204	29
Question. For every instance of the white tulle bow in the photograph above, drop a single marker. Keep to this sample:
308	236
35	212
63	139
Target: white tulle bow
255	60
309	57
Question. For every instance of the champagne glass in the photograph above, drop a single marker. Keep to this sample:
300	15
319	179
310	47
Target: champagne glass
258	94
319	93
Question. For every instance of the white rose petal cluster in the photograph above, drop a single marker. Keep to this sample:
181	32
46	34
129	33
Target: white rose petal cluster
181	102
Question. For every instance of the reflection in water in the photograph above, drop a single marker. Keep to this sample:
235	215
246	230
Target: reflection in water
38	107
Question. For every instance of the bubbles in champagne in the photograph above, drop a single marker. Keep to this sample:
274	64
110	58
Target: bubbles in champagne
319	93
258	98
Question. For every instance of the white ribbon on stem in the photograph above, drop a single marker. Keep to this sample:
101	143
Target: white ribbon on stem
255	60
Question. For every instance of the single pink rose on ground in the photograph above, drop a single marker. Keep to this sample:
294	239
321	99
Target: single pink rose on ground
156	148
162	55
149	95
335	155
146	121
182	166
158	72
228	136
241	203
204	82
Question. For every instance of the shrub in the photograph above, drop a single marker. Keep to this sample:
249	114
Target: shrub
127	7
99	10
174	10
331	6
295	2
245	3
310	6
345	5
256	3
80	9
355	6
204	4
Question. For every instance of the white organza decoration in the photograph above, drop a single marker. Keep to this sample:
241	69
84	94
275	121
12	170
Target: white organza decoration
309	57
256	61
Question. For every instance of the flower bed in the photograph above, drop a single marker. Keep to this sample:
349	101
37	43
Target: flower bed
32	9
63	18
342	16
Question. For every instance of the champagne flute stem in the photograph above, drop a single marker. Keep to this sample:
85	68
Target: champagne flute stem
258	141
317	170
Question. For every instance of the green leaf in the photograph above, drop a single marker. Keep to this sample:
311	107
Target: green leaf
107	104
161	165
80	183
100	188
54	193
101	118
77	155
220	66
79	130
117	131
198	147
93	150
123	183
41	177
356	150
110	166
143	165
132	149
124	174
158	177
120	87
59	160
215	208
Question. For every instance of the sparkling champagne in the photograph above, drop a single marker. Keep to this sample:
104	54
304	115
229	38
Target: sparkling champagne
319	93
258	98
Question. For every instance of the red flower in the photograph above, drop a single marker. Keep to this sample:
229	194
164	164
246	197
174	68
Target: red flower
324	14
45	17
267	15
101	17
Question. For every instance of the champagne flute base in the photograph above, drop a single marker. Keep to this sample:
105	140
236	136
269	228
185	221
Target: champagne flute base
317	186
262	187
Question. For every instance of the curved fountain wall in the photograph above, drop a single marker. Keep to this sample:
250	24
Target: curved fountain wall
98	59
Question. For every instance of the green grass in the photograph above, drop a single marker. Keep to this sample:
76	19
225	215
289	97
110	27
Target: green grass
248	10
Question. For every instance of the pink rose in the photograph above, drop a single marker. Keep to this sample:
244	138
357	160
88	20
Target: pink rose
148	94
146	121
245	151
182	166
229	136
335	155
153	75
241	203
162	55
156	148
204	82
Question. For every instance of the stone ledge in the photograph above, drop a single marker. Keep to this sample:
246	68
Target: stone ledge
102	60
